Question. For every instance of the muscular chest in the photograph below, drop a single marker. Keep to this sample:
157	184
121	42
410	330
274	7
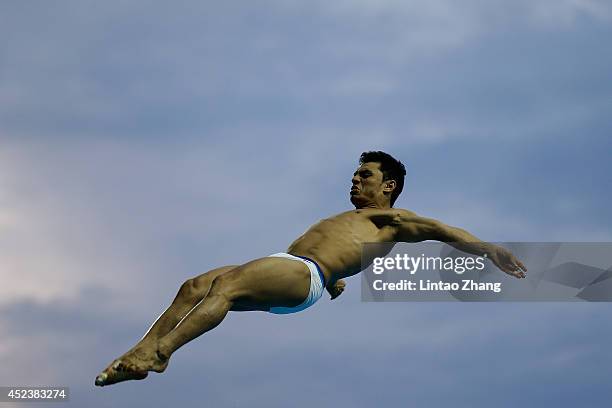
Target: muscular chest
374	229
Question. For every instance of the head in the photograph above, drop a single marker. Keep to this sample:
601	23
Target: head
378	181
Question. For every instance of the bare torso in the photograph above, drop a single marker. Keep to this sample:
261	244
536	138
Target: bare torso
335	243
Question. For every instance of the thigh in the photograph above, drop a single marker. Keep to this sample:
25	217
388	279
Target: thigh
264	283
207	278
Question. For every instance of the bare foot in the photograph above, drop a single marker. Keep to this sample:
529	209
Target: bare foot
133	365
146	359
118	371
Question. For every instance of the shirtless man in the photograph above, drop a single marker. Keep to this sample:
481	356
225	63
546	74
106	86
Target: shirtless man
289	282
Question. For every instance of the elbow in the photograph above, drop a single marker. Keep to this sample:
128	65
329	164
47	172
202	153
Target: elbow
441	232
445	233
430	229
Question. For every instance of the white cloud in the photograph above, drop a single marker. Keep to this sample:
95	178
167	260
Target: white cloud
113	214
77	217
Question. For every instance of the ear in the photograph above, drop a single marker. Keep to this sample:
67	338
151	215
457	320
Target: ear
389	186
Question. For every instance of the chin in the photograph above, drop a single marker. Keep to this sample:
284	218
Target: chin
355	201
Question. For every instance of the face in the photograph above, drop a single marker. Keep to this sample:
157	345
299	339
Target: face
368	188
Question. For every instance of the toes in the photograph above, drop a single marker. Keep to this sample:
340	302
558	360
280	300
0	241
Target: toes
118	365
101	380
125	366
115	376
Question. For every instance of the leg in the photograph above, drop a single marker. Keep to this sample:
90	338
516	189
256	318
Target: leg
189	294
257	285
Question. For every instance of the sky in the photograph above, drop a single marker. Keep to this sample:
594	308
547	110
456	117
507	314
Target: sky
144	143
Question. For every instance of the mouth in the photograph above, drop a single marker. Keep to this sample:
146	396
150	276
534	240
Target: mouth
354	190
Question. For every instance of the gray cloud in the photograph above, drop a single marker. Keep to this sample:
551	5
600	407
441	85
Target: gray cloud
376	352
141	144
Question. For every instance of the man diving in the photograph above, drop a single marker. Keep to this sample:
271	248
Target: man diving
288	282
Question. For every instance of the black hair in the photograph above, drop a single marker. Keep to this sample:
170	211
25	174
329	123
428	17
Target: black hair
391	168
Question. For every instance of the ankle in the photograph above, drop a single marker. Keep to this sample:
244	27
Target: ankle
163	352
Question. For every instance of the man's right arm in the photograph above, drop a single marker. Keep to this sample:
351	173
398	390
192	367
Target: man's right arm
336	288
413	228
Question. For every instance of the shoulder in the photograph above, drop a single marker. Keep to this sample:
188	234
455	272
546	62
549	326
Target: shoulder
404	213
389	216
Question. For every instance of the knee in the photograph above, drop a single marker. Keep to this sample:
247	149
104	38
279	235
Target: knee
193	288
222	286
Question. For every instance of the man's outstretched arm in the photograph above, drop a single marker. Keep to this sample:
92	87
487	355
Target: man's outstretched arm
413	228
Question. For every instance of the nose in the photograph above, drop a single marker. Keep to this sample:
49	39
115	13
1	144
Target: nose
355	180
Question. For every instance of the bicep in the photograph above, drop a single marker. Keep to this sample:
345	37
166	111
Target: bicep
414	228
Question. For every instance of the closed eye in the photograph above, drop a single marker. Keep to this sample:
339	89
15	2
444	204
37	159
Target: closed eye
363	174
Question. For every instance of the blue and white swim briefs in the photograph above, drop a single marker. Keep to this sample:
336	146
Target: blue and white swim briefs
317	284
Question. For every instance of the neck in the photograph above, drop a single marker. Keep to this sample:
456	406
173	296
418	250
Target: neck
374	205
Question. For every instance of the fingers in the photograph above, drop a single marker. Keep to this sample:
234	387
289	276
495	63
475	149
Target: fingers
337	292
514	267
338	288
517	270
508	263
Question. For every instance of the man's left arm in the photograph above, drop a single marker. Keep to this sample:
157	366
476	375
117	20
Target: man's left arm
413	228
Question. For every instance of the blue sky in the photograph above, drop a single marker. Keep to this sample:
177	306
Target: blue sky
144	143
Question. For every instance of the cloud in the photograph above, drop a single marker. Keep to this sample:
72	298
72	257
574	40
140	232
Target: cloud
142	145
271	357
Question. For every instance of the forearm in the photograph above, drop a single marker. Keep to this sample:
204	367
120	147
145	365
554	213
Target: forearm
416	229
464	241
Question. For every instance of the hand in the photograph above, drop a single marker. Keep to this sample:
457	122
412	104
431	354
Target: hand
337	289
507	262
